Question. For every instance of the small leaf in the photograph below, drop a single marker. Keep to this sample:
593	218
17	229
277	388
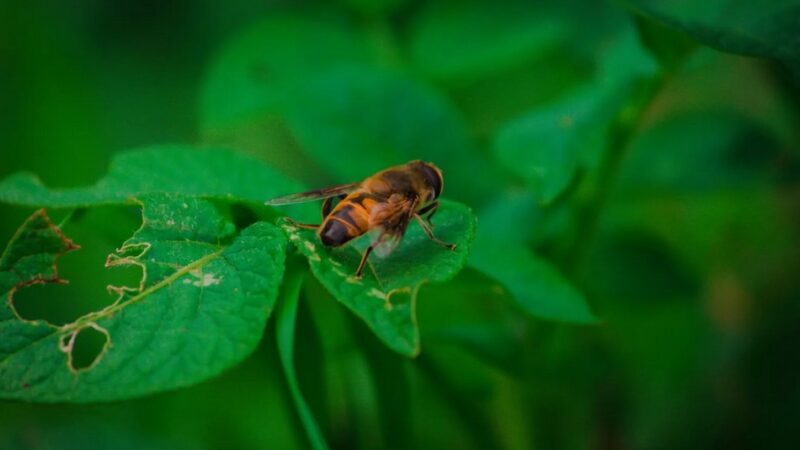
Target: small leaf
284	329
497	38
251	75
385	297
178	169
358	120
765	29
200	307
536	286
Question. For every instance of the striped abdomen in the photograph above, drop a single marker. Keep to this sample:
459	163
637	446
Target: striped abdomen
348	220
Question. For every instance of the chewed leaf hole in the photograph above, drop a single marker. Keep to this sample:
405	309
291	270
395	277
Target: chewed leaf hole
82	277
60	304
87	347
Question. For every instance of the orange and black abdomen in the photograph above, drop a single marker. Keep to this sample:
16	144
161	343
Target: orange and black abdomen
348	220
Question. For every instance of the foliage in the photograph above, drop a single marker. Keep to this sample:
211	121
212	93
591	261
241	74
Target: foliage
620	181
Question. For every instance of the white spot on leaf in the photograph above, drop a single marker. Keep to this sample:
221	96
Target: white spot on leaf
376	293
202	279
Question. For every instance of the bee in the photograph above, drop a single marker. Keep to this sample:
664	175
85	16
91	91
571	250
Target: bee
383	205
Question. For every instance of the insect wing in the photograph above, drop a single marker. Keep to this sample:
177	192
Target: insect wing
313	195
384	242
391	220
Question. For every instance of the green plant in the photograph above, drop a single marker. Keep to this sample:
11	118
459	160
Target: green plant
300	100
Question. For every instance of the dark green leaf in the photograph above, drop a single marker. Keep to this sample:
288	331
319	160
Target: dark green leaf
386	295
179	169
200	307
766	29
699	152
375	7
548	145
669	46
454	40
535	285
356	121
250	77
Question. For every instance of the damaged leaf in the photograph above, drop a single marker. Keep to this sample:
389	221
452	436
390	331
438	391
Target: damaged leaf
385	297
178	169
205	294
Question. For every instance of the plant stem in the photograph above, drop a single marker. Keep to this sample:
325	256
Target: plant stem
622	133
285	325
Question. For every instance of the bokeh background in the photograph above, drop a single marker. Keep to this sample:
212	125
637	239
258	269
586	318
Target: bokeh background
690	256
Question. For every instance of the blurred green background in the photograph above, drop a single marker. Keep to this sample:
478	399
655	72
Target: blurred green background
679	223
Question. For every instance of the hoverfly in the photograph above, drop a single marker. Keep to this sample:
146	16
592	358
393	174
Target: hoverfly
382	204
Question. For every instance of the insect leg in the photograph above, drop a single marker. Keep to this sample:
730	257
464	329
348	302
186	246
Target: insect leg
430	210
307	226
364	260
429	232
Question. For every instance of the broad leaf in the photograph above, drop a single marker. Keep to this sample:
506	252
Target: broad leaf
497	37
548	145
250	77
535	285
765	29
200	307
384	298
356	121
179	169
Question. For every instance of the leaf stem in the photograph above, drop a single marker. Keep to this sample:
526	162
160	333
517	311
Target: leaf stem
284	327
621	135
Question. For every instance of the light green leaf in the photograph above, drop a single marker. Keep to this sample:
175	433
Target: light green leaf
765	29
385	297
284	329
179	169
457	40
356	121
250	77
204	297
535	285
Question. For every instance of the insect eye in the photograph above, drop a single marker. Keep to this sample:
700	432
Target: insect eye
434	179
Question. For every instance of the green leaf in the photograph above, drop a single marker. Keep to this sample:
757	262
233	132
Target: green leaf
536	286
765	29
548	145
385	297
699	152
544	147
356	121
375	7
200	307
497	38
669	46
213	173
250	77
284	328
